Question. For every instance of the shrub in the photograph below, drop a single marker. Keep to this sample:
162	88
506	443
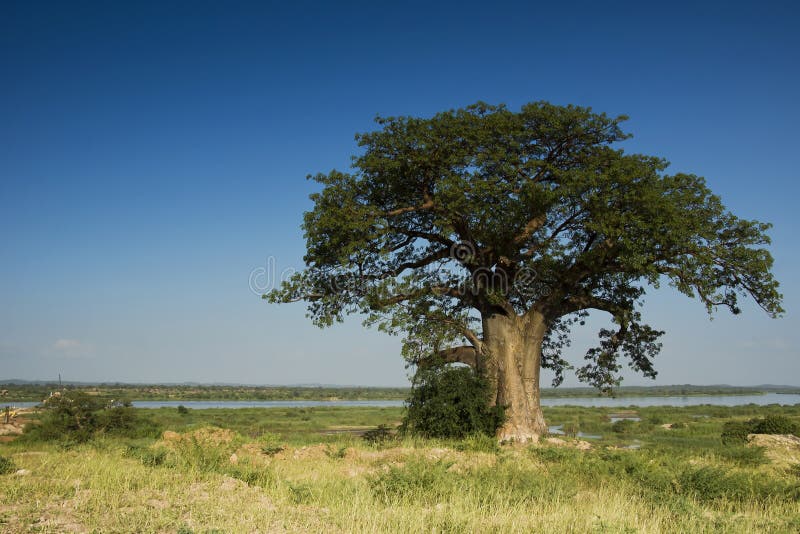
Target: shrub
183	410
709	483
6	465
736	431
69	416
75	417
450	402
773	424
119	418
623	426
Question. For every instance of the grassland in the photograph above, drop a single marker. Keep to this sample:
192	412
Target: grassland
309	470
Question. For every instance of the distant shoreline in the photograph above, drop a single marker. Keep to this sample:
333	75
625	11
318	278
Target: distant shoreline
27	392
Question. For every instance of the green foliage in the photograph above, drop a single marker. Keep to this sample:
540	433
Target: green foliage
484	211
183	410
75	416
70	415
774	424
6	465
736	431
116	417
623	426
450	402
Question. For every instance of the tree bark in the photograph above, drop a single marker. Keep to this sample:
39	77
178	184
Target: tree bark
513	352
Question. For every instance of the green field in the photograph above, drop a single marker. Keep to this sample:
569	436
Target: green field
309	470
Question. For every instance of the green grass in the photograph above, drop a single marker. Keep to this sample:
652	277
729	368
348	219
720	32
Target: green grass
278	470
295	425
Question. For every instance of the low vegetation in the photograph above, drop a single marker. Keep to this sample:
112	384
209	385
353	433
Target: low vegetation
6	465
35	392
737	431
75	416
312	470
168	392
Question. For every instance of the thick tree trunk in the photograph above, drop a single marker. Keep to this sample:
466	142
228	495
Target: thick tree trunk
513	351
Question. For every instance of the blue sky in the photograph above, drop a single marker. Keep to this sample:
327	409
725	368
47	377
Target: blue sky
153	154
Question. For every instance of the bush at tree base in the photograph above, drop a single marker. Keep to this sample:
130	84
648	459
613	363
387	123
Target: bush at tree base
450	402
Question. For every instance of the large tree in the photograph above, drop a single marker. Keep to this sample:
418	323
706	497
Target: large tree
484	234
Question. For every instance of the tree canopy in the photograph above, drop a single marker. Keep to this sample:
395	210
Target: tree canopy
484	210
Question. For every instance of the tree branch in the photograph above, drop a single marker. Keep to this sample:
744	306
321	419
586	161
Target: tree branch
465	354
434	238
573	303
529	229
428	204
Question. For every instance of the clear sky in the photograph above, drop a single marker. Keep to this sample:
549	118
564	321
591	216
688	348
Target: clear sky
153	154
